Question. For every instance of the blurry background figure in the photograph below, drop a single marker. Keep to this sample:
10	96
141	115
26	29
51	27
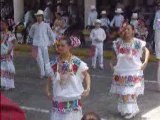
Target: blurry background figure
59	8
142	31
92	16
134	21
48	14
156	27
59	24
29	19
7	66
118	18
105	21
97	36
72	10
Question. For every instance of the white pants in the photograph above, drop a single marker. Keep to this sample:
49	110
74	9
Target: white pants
99	54
157	43
43	60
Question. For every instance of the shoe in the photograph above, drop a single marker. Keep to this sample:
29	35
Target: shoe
101	68
132	115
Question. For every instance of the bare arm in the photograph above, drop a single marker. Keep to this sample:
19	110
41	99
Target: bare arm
49	87
113	60
146	58
87	83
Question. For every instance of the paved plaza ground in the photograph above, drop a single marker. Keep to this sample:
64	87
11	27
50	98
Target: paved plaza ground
29	92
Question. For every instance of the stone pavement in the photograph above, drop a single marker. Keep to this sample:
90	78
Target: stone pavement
29	92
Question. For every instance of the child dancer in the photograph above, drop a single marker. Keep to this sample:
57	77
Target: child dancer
98	36
7	66
66	79
128	80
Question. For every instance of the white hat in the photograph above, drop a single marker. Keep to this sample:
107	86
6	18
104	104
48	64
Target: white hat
98	21
39	12
49	3
59	1
103	12
93	7
134	15
119	10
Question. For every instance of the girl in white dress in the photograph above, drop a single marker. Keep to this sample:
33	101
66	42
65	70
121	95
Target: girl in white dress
128	80
65	79
7	66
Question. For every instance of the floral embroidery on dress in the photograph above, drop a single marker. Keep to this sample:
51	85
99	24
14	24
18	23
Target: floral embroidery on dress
126	80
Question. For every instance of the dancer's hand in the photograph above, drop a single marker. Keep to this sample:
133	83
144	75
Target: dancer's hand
86	92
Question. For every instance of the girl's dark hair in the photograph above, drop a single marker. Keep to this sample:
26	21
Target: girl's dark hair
91	116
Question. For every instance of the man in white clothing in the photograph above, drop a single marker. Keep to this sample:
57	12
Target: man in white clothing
156	27
48	14
92	16
98	36
105	22
42	36
118	19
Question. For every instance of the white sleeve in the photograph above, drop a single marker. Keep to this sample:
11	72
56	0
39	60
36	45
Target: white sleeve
104	35
83	67
92	36
154	23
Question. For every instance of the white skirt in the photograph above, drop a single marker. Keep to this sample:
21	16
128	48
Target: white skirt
73	115
157	43
7	74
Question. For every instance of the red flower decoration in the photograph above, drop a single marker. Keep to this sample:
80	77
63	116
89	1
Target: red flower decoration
116	78
75	68
121	50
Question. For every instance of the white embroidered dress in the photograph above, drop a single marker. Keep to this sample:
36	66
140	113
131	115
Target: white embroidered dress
67	93
7	66
128	77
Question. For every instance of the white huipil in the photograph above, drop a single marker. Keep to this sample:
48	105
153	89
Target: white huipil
92	16
156	27
98	36
128	76
69	90
117	20
7	65
42	36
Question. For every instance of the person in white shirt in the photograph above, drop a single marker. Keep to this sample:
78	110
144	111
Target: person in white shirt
118	19
42	36
156	27
134	21
98	36
105	22
92	16
72	10
48	14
